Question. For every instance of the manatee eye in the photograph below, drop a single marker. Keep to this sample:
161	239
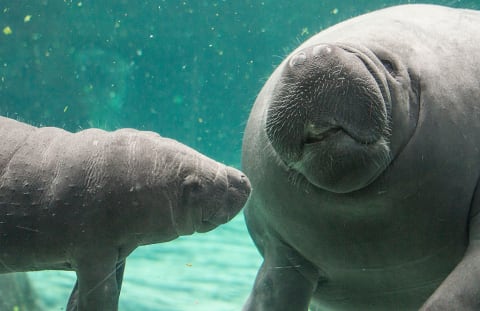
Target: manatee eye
192	184
388	66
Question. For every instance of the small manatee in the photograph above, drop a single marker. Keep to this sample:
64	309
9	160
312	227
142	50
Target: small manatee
85	201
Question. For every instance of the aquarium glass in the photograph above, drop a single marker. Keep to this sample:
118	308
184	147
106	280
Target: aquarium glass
188	70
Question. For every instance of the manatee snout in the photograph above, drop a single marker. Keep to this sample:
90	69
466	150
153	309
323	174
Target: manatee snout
328	118
238	190
215	199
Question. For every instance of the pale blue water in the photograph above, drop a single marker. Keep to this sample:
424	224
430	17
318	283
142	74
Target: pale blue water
189	70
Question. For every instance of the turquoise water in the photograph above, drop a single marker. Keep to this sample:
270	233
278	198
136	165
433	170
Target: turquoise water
189	70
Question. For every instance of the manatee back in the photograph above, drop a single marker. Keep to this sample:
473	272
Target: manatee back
13	134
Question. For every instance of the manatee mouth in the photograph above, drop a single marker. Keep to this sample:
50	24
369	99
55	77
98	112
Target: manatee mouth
205	226
314	136
218	218
206	221
212	219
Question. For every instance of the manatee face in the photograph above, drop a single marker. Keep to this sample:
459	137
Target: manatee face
214	199
330	115
207	193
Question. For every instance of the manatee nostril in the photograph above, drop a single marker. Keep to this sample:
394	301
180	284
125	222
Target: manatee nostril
246	183
238	184
321	49
244	179
298	59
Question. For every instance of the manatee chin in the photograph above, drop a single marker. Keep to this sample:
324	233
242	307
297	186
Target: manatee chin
341	164
329	117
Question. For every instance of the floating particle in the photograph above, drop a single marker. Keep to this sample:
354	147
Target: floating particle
7	30
65	109
334	11
27	18
304	31
200	120
177	99
188	264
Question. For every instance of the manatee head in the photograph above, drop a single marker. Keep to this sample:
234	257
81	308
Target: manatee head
339	114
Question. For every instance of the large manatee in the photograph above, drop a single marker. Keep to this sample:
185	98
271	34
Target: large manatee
363	149
85	201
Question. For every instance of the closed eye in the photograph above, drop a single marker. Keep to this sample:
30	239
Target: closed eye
389	66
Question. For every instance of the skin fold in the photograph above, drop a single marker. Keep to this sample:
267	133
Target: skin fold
85	201
362	150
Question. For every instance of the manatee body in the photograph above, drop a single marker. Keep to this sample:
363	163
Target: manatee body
85	201
363	152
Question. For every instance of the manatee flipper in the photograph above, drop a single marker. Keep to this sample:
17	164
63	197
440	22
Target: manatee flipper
283	266
120	269
460	290
73	300
97	288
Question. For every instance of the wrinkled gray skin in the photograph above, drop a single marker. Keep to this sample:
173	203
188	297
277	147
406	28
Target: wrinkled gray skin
363	153
85	201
